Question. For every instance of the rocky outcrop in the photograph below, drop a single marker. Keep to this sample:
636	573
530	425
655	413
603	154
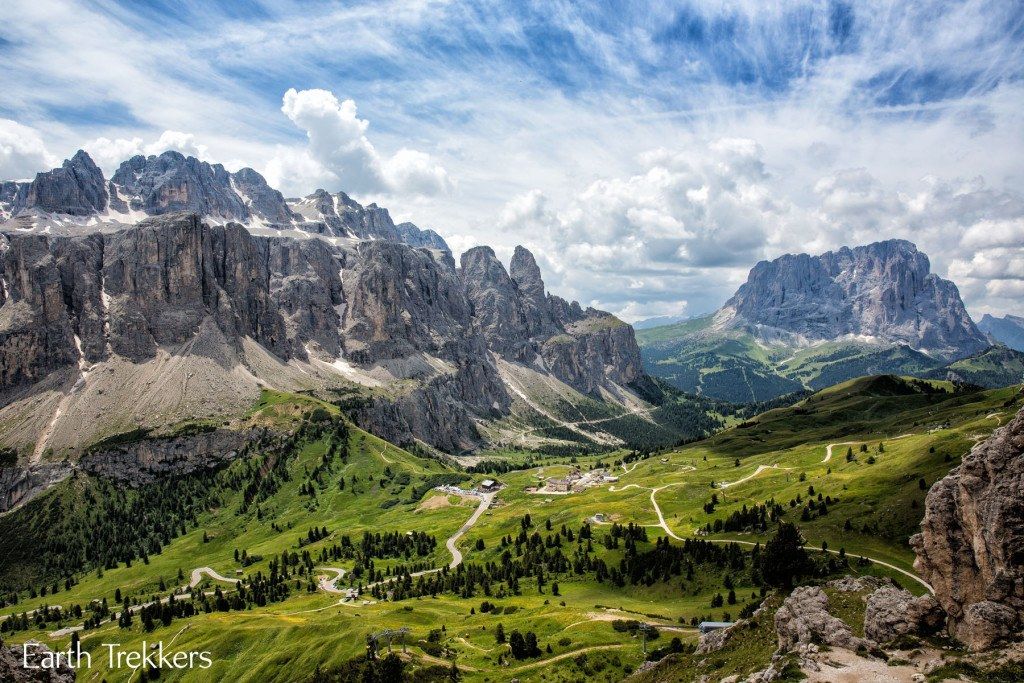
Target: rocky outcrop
892	612
587	350
971	545
538	314
883	292
804	619
20	484
418	237
496	302
172	182
13	669
12	197
262	201
594	351
147	459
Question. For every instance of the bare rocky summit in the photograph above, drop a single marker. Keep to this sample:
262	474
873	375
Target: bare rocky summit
882	292
76	199
971	545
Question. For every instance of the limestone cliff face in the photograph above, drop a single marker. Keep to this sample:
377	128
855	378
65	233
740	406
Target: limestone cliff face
971	545
36	336
174	284
146	460
595	350
587	349
883	291
175	310
496	301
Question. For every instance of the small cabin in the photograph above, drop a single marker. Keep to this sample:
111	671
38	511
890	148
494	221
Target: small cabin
488	485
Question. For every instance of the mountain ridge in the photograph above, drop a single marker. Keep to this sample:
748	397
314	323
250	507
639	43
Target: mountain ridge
176	319
77	198
882	291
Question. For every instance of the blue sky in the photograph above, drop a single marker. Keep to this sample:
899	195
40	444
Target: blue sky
649	153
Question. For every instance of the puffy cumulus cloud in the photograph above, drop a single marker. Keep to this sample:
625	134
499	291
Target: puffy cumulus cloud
22	151
675	234
974	234
295	173
413	172
178	141
338	145
528	211
681	233
109	153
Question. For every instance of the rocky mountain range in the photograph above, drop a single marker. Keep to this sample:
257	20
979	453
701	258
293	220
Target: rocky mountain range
175	319
1008	330
806	322
76	199
177	291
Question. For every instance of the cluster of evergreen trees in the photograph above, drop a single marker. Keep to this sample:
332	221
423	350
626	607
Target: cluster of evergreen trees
543	558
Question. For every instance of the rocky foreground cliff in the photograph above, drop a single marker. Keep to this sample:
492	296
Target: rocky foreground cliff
971	545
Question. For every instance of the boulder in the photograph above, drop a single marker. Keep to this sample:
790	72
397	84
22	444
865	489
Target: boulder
893	612
13	670
986	624
804	619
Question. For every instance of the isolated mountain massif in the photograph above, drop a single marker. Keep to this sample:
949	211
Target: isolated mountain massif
803	321
177	292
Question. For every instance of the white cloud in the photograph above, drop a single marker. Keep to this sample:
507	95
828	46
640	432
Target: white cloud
630	242
683	222
179	142
338	143
22	151
108	154
412	172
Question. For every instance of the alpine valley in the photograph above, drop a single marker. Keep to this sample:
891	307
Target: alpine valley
312	445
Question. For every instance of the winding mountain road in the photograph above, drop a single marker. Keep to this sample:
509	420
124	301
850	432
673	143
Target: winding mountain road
485	502
664	525
759	470
329	584
197	577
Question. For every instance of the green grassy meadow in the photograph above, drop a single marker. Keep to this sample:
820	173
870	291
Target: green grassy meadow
873	501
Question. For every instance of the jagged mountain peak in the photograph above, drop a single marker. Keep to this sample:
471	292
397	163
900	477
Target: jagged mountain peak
884	291
1008	330
65	200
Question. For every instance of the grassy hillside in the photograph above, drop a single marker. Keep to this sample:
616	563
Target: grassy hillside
903	434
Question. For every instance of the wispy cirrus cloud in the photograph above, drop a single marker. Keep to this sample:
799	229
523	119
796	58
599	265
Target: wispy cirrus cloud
590	132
